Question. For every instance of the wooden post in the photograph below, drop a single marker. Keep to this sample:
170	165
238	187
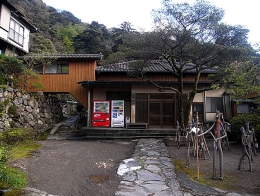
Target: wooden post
197	146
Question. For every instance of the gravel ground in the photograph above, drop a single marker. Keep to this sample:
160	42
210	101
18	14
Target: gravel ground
89	168
238	181
76	168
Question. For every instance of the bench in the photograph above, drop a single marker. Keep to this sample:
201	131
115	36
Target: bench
136	125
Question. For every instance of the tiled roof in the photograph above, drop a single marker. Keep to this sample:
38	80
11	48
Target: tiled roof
155	66
76	56
71	56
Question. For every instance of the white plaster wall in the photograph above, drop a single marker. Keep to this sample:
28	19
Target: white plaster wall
215	93
5	17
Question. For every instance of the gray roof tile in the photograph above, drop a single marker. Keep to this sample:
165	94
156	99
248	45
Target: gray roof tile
71	56
156	66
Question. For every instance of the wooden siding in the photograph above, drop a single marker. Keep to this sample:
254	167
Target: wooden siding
67	83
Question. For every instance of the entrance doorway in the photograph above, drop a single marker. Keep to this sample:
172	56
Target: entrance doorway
161	114
161	110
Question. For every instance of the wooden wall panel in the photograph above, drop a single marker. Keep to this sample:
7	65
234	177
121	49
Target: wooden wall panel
67	83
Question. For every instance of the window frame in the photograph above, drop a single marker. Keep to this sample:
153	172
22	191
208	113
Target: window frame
213	108
58	67
16	32
243	108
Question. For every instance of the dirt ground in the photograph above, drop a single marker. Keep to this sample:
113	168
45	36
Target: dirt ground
239	181
76	168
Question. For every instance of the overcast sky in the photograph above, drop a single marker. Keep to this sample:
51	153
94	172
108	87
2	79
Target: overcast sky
112	13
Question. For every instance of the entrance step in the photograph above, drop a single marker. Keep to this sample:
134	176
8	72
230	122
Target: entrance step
123	133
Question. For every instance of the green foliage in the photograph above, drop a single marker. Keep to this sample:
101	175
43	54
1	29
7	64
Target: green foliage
238	122
67	34
4	87
15	192
10	69
12	110
18	135
3	161
22	150
2	138
18	144
36	85
12	124
47	20
94	39
184	35
12	178
240	79
3	105
42	45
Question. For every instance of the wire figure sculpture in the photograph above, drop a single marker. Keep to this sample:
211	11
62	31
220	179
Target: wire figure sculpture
180	134
195	143
248	141
218	135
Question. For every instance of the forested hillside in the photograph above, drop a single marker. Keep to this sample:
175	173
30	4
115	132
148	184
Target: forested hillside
62	32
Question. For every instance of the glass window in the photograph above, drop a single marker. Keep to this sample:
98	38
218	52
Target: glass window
213	104
16	32
51	69
59	67
38	69
243	108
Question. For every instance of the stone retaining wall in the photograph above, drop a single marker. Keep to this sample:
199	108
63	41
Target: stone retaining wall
28	110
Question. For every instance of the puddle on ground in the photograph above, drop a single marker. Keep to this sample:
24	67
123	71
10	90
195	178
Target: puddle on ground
98	178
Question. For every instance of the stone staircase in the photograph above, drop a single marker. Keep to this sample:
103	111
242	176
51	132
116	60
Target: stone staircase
65	129
123	133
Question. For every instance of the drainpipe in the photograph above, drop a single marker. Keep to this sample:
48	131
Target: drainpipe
89	109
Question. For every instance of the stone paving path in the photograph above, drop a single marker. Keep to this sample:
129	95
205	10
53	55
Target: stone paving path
150	171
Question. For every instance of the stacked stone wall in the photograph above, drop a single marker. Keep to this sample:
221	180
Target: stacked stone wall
38	111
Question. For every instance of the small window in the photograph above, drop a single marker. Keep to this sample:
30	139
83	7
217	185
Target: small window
60	67
198	107
16	32
213	104
243	108
38	69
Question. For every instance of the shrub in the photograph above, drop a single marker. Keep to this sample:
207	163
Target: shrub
237	122
3	167
2	138
12	110
15	135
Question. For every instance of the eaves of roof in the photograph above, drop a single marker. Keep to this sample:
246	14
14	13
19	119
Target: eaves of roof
8	42
71	56
20	15
92	83
156	66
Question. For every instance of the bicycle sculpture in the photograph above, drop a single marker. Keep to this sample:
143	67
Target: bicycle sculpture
248	141
218	135
196	142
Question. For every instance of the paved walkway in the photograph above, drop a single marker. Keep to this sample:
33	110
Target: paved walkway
150	172
154	174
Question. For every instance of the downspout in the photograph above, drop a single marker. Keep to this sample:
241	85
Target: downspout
89	109
204	106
